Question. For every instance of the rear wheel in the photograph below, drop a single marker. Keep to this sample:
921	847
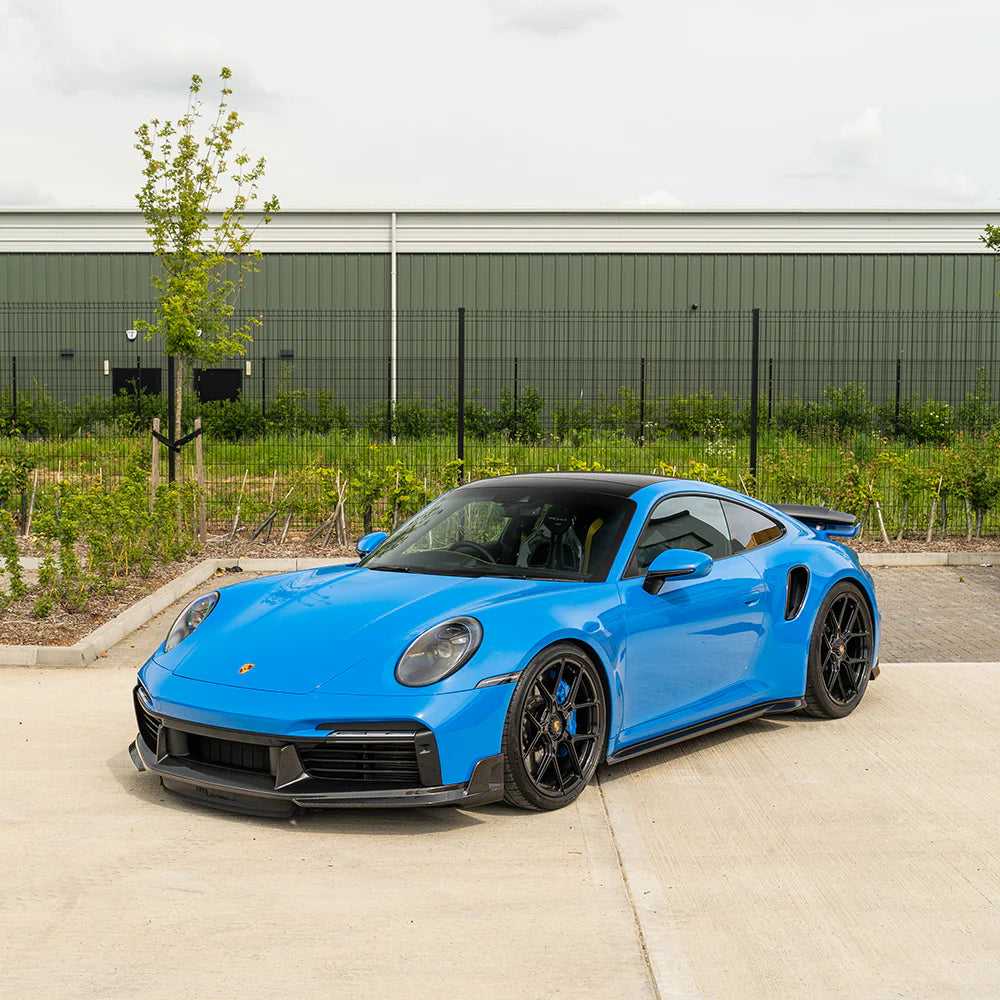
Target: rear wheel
840	653
555	731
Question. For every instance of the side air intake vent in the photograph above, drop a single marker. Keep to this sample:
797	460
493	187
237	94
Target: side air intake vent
795	595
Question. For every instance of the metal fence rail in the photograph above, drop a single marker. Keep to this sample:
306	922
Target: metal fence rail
687	389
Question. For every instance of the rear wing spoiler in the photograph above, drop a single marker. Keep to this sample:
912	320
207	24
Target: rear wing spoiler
826	522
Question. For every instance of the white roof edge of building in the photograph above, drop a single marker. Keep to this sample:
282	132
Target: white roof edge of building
639	231
993	210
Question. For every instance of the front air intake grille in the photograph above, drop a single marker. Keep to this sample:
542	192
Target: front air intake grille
149	724
229	753
382	762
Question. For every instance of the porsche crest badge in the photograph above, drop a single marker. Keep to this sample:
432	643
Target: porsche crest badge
245	668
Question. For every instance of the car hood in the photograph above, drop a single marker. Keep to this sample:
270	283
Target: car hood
301	630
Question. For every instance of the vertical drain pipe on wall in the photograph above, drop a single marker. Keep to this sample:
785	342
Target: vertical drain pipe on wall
392	327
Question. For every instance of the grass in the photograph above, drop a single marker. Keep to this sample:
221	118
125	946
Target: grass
298	473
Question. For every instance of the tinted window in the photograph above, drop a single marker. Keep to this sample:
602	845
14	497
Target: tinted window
749	528
527	532
687	522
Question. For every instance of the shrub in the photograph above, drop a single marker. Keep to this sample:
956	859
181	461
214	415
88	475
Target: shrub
232	420
978	413
848	410
927	422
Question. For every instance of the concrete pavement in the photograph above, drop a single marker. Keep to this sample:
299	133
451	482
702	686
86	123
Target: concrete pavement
784	858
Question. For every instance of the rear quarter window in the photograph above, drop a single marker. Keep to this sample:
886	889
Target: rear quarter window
749	528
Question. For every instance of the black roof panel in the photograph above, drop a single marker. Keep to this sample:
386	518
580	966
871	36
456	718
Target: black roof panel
621	484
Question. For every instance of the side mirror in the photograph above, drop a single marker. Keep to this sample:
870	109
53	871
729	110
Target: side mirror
370	542
675	562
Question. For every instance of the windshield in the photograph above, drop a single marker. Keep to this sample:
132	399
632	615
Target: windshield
549	533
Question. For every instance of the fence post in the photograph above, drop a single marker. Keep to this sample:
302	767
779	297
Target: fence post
171	420
770	388
513	422
388	403
899	386
461	392
754	390
642	402
200	478
13	383
263	388
154	472
138	389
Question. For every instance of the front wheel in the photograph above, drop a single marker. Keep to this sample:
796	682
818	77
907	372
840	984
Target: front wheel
840	653
555	731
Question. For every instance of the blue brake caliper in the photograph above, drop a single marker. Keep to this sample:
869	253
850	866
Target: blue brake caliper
562	693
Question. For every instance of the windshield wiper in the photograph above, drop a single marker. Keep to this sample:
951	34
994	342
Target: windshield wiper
392	569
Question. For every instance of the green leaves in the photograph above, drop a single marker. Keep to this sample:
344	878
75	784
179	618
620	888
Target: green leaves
105	534
204	261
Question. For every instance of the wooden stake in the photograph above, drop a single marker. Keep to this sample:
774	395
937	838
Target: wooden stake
199	464
239	504
284	529
881	523
31	505
934	503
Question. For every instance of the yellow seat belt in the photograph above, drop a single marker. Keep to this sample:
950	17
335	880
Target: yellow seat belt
595	527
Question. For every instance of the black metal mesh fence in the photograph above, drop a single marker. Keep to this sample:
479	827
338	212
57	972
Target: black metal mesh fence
837	395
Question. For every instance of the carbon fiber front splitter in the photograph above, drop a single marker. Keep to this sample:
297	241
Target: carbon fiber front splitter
222	789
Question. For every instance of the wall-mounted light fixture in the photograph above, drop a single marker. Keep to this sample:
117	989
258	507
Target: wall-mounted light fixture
249	368
130	335
107	367
286	352
66	352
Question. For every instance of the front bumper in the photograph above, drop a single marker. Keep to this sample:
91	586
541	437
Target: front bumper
370	765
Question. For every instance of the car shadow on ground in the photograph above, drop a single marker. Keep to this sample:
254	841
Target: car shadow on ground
608	774
146	788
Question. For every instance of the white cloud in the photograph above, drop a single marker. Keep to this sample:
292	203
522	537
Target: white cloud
18	193
946	184
553	18
856	146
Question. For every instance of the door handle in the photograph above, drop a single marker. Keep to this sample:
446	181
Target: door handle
750	599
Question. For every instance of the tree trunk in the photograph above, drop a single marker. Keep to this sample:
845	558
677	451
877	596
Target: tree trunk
944	514
178	394
979	522
902	519
968	519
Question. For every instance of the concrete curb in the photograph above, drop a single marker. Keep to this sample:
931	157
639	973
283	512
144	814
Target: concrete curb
930	558
103	638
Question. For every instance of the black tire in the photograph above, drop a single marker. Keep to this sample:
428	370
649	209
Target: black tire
840	653
555	733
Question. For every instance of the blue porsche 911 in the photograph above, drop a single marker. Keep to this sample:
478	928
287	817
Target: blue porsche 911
504	642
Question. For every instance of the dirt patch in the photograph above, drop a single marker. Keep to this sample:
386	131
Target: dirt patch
19	626
63	627
919	543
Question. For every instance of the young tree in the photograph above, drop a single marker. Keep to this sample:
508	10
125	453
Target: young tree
203	261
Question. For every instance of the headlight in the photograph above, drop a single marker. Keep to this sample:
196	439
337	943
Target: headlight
439	652
189	619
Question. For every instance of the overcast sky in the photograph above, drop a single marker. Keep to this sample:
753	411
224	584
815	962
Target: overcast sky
403	104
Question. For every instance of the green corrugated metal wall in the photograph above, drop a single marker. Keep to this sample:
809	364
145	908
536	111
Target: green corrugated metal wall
543	281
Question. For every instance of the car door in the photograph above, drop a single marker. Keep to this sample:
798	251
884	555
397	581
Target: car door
690	649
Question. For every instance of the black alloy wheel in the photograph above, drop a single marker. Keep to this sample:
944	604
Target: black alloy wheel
556	729
840	653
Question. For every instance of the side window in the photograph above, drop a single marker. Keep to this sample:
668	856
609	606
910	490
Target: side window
686	522
749	528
